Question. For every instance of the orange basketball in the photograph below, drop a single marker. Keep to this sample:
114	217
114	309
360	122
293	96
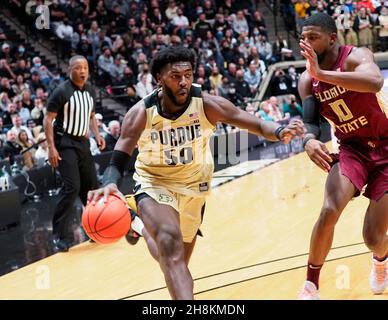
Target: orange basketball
106	222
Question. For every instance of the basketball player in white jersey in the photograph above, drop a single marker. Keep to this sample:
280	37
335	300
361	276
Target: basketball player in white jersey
172	127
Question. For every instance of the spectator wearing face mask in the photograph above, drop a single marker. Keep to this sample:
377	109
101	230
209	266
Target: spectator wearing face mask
44	73
56	80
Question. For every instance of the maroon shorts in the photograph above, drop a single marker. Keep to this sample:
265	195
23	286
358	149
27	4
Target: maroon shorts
365	166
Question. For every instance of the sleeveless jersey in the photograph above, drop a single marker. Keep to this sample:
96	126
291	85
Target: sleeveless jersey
176	153
359	118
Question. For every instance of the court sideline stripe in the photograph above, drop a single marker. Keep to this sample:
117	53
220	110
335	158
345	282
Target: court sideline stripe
244	267
277	272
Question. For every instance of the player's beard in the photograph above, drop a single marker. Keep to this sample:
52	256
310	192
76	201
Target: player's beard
171	95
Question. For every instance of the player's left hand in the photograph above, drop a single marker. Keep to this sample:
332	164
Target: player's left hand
100	142
312	65
294	128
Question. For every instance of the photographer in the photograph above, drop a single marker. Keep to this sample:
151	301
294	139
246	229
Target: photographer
292	107
280	84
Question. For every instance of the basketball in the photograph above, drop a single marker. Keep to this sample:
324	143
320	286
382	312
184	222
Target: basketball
106	222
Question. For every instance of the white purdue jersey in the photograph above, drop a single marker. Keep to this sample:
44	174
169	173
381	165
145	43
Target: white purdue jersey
176	153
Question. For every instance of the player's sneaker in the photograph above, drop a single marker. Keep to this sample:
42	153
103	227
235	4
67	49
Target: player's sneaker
137	226
308	292
378	278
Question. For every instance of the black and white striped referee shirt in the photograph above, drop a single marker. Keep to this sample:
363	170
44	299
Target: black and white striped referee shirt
73	107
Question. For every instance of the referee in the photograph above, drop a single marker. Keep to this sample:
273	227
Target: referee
70	113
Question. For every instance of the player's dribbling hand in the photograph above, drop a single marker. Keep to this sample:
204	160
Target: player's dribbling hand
111	188
319	154
294	128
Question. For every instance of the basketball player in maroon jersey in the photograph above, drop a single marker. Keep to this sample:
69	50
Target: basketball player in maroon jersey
344	84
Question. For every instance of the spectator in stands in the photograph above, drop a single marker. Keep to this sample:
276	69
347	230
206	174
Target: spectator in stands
180	23
291	107
265	49
64	33
6	71
300	8
35	129
258	23
275	112
383	32
294	77
231	74
44	74
363	26
202	27
36	83
22	68
201	73
240	23
102	128
277	47
3	36
7	115
280	84
3	130
117	70
223	89
255	58
253	77
242	87
56	80
19	86
105	64
41	154
143	87
20	53
37	114
367	4
18	126
265	112
4	101
11	148
26	144
22	111
215	78
26	100
235	96
85	49
113	135
6	53
220	26
5	86
171	11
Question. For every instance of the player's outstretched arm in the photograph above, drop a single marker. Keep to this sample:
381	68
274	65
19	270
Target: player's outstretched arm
218	109
361	74
133	125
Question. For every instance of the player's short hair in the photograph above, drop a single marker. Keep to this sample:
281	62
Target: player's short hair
171	55
322	20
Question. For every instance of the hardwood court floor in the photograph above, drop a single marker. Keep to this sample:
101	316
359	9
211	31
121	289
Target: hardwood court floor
256	238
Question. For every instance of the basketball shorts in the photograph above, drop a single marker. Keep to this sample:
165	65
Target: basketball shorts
190	209
365	166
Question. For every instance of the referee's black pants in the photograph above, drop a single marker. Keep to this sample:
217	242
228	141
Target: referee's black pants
78	172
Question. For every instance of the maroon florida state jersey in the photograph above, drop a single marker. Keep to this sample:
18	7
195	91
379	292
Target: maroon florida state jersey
358	117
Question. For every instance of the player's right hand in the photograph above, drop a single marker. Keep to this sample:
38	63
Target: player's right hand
319	154
53	156
111	188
